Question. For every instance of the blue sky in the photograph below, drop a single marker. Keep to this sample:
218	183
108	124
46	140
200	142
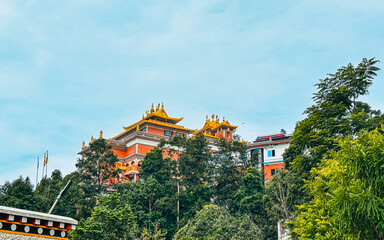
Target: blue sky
69	69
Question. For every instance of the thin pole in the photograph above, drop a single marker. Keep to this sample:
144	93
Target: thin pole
46	168
37	172
42	174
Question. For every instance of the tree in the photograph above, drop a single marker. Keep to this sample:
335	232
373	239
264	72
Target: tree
157	167
18	194
152	205
111	220
98	167
229	163
249	196
281	195
248	201
335	113
212	222
347	191
73	204
191	173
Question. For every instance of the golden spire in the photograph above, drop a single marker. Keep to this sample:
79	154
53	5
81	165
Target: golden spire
158	107
83	146
101	134
92	139
152	109
217	118
162	106
223	119
213	116
146	112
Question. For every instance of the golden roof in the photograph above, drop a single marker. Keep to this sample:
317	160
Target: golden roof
213	124
159	117
159	114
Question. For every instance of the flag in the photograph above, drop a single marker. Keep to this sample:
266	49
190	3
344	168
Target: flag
46	159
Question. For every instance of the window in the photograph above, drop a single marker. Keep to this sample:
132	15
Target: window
276	170
168	133
144	129
271	153
180	134
228	134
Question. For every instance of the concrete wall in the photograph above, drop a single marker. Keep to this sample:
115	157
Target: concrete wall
8	236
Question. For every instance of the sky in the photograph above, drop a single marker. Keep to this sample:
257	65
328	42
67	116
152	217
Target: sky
69	69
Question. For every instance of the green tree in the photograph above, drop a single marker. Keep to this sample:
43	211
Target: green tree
249	196
229	164
47	190
347	191
111	220
98	167
154	199
191	173
248	201
335	113
152	205
18	194
73	204
213	222
280	198
157	167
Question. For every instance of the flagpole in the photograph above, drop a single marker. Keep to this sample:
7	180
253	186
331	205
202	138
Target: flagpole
37	171
46	168
42	175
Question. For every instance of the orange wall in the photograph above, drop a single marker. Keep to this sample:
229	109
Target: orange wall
155	131
269	167
119	153
223	134
143	149
122	154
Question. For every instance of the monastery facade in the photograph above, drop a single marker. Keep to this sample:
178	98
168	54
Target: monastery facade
139	138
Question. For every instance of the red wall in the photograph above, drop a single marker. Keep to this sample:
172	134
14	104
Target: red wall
269	167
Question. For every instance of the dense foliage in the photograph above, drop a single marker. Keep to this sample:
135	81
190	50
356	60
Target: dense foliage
214	223
336	112
110	220
348	192
98	167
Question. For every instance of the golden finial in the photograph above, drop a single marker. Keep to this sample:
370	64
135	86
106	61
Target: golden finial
206	117
217	118
92	139
146	112
101	134
152	109
143	116
162	106
213	116
83	146
223	118
158	107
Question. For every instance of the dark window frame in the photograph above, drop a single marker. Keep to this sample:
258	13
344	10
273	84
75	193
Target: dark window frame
168	133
